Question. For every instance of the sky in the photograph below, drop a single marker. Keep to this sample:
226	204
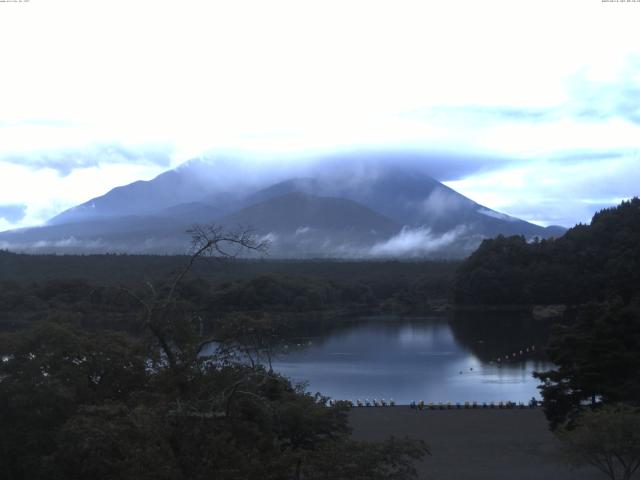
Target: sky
540	98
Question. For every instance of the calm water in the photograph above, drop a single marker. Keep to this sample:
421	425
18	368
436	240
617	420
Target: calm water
420	359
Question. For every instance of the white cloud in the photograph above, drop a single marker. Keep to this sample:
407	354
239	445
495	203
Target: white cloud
213	73
557	191
46	192
501	216
415	242
286	77
441	203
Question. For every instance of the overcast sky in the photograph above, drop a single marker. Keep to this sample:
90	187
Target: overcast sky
541	98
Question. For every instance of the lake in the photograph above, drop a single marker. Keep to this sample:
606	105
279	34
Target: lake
482	358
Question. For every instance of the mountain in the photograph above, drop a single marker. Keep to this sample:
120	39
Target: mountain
189	183
411	198
295	223
314	226
380	208
291	212
134	234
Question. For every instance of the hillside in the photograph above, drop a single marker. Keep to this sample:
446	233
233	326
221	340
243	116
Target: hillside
381	207
589	263
312	225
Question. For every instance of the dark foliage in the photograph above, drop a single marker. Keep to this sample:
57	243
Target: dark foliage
102	405
170	396
275	287
598	360
607	438
589	263
594	269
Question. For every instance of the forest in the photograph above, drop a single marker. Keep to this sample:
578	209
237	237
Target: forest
592	262
93	288
593	270
106	370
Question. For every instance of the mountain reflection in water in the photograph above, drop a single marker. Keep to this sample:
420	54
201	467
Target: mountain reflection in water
431	359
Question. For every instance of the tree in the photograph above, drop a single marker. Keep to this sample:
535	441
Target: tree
607	438
593	262
176	333
598	360
100	405
49	372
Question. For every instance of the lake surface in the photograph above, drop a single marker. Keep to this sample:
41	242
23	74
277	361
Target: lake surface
430	359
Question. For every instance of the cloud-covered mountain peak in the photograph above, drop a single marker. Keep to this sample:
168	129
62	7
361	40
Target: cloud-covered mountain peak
383	206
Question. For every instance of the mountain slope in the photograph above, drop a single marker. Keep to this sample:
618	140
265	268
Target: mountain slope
289	212
297	224
589	263
311	224
411	198
190	182
382	207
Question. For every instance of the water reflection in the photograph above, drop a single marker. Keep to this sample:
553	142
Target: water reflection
431	359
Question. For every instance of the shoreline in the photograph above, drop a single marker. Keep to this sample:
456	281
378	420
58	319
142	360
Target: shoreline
473	444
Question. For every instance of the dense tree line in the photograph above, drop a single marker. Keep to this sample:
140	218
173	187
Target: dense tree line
166	398
595	269
104	405
385	278
589	263
105	305
598	362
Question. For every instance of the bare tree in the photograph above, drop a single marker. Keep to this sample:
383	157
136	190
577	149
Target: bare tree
159	303
607	438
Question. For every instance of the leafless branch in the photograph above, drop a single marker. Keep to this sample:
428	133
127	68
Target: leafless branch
207	240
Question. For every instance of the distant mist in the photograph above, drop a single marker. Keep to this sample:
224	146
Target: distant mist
416	242
358	166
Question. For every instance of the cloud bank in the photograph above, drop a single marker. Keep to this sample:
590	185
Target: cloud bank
64	160
512	117
415	242
13	213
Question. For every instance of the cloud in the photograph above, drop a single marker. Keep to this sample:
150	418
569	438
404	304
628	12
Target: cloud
588	156
367	163
442	202
69	243
485	114
498	215
415	242
66	160
597	99
555	192
13	213
47	193
269	238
